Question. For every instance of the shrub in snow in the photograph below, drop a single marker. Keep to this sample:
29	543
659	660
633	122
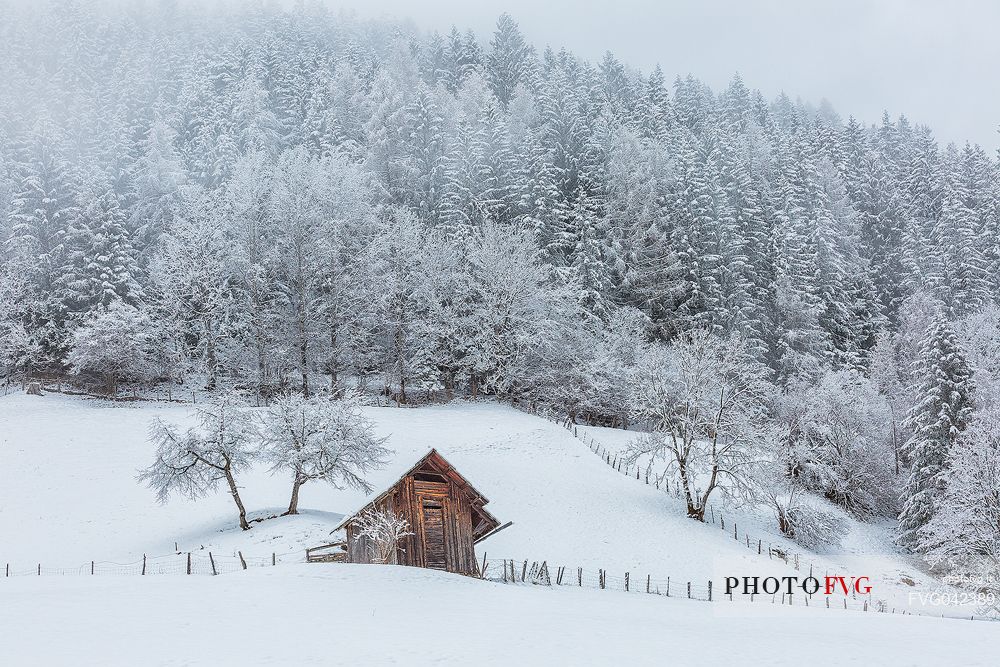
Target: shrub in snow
119	342
321	438
805	523
382	529
193	463
840	441
979	335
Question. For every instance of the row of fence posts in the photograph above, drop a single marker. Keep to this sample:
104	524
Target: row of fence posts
538	573
188	569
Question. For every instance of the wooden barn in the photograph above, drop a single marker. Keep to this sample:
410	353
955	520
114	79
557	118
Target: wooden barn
446	517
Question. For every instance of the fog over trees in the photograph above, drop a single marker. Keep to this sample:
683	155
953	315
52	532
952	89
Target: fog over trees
292	201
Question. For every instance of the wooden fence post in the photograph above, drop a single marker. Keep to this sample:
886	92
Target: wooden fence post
709	590
213	563
274	559
189	563
647	583
144	565
668	586
758	547
689	590
626	582
91	568
579	576
8	570
482	572
243	561
39	569
524	570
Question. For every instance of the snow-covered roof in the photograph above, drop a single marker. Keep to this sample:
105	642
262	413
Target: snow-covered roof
397	473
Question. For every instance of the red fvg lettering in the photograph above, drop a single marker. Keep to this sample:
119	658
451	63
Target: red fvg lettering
855	584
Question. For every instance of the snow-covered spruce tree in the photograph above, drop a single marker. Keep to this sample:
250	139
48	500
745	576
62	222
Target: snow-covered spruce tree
943	407
963	535
101	265
510	59
119	342
319	438
43	207
194	462
16	345
706	401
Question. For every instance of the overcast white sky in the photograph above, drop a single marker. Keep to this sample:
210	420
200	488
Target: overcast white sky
937	61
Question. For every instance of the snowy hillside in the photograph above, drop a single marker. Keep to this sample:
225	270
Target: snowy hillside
366	615
70	496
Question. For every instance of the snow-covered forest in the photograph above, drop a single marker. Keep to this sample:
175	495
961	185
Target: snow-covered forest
305	202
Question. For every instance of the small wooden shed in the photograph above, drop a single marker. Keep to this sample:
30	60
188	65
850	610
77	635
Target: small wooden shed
445	513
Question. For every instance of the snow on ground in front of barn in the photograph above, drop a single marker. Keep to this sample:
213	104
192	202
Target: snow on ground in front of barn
68	495
372	615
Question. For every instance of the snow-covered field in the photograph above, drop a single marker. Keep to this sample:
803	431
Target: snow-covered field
368	615
71	496
68	495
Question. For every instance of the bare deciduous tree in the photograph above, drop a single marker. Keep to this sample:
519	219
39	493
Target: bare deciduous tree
194	462
705	400
320	438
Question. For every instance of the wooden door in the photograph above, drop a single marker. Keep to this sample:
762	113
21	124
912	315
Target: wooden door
435	553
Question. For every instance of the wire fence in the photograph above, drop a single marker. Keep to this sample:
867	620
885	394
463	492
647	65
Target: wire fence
180	563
